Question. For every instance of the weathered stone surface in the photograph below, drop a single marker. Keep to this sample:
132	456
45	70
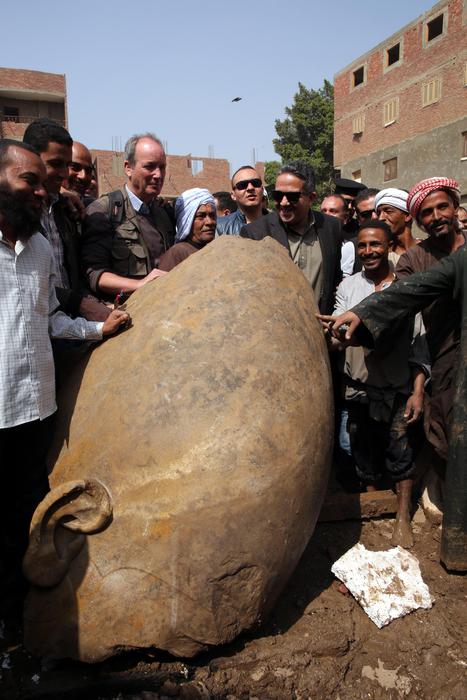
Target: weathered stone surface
191	462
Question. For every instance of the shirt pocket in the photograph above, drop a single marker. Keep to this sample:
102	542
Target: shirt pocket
128	255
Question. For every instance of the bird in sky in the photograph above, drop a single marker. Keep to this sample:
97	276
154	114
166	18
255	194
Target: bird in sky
236	99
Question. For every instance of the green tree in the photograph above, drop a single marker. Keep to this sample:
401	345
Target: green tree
271	168
307	132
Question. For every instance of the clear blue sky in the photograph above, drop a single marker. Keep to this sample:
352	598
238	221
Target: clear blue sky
173	67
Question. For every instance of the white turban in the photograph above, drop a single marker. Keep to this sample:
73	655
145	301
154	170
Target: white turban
396	198
186	207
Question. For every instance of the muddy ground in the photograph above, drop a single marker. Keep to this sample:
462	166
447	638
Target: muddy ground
318	644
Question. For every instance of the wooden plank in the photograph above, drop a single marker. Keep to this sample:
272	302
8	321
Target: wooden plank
339	505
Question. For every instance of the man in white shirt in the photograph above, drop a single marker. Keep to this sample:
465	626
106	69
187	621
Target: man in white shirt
29	315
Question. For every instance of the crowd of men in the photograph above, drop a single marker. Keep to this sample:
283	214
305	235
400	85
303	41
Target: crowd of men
69	257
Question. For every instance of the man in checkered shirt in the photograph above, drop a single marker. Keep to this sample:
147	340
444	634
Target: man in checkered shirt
29	315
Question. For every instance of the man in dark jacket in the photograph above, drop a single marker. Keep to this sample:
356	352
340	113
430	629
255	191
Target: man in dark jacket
54	145
313	239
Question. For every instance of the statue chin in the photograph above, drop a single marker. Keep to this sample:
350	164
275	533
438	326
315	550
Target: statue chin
190	463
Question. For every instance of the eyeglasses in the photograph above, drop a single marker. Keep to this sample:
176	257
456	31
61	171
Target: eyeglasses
243	184
291	197
365	215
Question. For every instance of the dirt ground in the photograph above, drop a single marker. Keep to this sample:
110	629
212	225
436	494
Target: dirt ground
318	644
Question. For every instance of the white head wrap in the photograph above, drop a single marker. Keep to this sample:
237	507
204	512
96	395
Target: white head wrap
186	207
396	198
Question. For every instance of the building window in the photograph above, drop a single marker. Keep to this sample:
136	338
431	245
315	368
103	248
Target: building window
393	54
359	76
196	165
358	123
431	92
390	111
11	114
434	28
357	176
464	144
390	169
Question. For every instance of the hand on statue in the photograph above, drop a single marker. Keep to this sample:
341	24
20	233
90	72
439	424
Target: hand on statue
154	274
117	320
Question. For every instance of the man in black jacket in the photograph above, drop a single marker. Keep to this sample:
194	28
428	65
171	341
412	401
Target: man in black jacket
313	239
54	145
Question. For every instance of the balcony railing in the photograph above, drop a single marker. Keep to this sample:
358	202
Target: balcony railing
27	118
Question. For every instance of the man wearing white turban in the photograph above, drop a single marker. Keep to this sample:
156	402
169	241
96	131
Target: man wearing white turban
195	214
391	207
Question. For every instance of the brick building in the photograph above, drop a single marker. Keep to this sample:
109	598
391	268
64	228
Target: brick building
400	109
183	172
26	95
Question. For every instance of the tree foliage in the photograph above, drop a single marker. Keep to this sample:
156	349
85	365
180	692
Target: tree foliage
307	132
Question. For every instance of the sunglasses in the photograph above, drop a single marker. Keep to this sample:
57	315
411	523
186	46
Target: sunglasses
243	184
291	197
365	215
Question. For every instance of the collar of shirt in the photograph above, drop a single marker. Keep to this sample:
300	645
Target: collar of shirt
311	223
19	245
53	199
136	202
385	285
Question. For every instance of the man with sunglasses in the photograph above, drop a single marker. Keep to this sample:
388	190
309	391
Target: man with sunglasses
312	239
247	192
364	204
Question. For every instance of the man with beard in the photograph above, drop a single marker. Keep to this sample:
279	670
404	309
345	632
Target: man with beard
29	315
433	204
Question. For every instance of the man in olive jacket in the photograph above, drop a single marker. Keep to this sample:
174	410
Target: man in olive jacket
126	232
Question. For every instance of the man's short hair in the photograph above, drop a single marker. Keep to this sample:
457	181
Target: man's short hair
6	144
43	131
225	201
130	146
243	167
302	170
377	223
364	195
337	196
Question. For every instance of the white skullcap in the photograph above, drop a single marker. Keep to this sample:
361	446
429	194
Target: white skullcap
186	207
391	195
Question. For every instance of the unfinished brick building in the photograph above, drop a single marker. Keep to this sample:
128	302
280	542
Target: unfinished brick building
400	109
26	95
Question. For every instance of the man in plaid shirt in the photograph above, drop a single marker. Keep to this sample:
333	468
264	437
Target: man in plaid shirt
29	316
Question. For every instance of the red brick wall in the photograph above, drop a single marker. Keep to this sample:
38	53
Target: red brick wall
37	81
444	57
214	176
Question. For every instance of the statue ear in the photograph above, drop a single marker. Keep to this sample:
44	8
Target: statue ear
58	529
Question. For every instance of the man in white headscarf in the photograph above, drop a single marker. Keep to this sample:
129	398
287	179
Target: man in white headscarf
196	217
391	207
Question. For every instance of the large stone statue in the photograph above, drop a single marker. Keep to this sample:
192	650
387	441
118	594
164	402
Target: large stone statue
191	462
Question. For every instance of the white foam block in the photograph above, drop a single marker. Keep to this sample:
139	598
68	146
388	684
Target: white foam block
387	584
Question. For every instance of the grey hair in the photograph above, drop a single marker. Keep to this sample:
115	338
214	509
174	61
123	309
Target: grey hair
130	146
